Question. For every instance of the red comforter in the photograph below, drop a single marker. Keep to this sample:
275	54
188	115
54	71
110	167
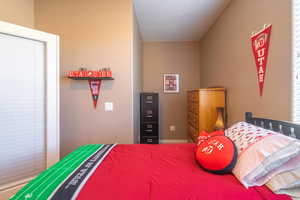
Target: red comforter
163	172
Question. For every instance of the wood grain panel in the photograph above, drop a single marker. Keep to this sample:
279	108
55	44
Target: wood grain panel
202	109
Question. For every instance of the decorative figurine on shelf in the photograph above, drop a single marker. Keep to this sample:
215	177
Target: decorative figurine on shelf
84	73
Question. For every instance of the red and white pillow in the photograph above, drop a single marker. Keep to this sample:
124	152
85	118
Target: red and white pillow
217	154
203	135
262	153
244	135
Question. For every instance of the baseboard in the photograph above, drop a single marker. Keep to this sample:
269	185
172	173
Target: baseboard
173	141
6	194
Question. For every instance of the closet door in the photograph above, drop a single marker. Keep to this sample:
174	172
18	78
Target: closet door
22	109
29	104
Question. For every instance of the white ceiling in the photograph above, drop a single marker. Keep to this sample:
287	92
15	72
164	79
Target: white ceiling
177	20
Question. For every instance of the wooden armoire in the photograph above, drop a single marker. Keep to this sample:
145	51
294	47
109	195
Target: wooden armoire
204	106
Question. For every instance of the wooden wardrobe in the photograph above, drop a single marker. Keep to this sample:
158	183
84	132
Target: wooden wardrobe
202	110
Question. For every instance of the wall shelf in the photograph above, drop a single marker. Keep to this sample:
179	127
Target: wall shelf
94	79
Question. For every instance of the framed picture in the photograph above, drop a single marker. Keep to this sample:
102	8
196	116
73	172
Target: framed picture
171	83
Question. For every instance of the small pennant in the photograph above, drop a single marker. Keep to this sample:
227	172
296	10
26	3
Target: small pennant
95	89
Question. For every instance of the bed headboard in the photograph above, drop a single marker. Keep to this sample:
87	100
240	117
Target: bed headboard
286	128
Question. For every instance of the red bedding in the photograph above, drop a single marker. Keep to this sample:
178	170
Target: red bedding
163	172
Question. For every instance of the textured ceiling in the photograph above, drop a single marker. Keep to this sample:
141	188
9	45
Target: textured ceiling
177	20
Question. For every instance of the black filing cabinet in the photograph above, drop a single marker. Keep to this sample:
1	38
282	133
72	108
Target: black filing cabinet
149	133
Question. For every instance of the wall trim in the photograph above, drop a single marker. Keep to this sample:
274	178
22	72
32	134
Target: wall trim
8	193
173	141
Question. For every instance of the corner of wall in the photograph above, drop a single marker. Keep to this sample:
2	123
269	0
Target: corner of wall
136	75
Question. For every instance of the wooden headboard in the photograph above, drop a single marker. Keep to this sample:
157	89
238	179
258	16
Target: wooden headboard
286	128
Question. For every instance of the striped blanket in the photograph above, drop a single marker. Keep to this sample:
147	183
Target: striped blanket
65	179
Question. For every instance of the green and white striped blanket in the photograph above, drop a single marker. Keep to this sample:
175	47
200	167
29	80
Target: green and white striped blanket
65	179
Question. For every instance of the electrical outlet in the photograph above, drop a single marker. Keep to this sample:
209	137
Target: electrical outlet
172	128
108	106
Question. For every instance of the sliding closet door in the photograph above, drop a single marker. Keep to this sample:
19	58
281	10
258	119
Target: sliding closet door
22	109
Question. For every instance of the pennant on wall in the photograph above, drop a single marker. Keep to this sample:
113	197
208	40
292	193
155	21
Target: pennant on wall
95	89
260	46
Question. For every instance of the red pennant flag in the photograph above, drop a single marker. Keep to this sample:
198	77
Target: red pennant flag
260	46
95	89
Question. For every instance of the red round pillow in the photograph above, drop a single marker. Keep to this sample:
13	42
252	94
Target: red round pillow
203	135
217	154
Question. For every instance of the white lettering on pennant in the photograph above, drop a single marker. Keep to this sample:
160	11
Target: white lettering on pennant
261	77
261	52
261	60
261	70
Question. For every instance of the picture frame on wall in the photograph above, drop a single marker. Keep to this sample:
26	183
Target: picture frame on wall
171	83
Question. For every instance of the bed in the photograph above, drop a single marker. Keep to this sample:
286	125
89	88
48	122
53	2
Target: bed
147	172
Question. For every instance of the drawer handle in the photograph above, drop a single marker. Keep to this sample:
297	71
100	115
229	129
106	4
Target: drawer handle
148	130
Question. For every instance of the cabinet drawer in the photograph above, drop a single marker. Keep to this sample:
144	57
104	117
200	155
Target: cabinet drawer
149	107
193	96
190	106
193	120
149	115
149	99
189	96
149	129
194	133
149	140
195	108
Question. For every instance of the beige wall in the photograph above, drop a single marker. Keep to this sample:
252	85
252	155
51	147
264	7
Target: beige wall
137	77
227	59
171	57
94	34
18	12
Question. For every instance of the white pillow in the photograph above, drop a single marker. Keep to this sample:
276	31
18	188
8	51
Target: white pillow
286	180
292	164
293	192
261	152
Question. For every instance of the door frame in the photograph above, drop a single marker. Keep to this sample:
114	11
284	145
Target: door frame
51	42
